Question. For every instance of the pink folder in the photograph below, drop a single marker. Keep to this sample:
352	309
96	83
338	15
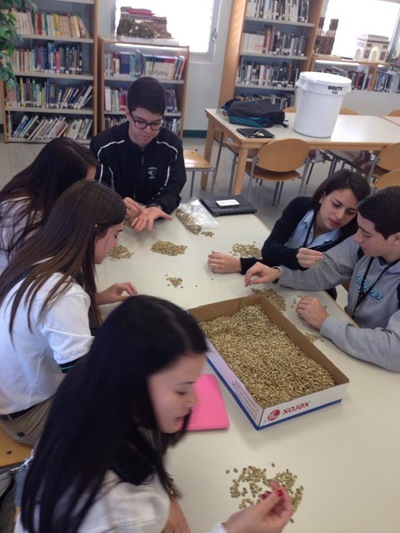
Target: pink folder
210	412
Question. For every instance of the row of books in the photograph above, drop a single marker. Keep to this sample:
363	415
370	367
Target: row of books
50	24
117	98
171	123
275	42
48	57
135	64
30	92
40	128
386	81
360	79
290	10
272	75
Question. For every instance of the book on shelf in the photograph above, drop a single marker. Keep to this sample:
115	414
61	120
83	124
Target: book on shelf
107	98
18	128
83	98
28	126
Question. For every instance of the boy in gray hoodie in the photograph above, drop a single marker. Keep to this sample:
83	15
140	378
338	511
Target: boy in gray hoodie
371	258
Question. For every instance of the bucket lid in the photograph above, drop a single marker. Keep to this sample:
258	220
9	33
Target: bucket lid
324	78
324	83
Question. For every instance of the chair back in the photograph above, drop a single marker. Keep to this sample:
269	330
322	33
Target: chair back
282	155
394	113
347	111
388	180
389	157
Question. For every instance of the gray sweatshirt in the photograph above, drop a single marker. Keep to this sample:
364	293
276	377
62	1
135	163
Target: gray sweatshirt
378	339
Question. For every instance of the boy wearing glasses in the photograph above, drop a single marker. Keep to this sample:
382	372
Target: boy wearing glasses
140	159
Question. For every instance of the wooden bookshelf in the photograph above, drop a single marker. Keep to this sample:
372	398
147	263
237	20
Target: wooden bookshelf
56	67
122	62
365	75
245	19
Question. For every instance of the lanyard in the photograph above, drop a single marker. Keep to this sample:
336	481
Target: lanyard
309	229
362	294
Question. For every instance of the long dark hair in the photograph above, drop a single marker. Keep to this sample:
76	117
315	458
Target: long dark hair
65	244
342	179
102	416
59	164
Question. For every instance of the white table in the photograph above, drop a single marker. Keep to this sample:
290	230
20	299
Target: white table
346	456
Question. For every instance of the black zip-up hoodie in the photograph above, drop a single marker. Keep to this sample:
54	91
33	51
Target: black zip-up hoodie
155	175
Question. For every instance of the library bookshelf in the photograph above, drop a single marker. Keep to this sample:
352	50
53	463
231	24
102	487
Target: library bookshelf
56	71
365	75
268	45
121	62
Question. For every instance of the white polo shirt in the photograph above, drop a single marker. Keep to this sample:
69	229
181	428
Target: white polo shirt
29	360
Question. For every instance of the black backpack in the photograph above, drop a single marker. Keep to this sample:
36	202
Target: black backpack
255	113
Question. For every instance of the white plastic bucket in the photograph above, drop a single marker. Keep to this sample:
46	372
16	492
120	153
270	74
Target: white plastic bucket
319	98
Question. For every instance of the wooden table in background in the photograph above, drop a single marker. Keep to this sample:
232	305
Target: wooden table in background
352	132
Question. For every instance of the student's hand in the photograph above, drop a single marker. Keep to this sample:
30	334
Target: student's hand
260	273
132	206
223	263
116	293
308	258
147	217
312	311
268	516
176	521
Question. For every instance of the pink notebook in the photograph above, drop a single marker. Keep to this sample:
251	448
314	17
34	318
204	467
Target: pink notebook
210	412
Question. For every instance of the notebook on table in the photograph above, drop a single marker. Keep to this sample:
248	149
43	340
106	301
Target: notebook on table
228	205
209	412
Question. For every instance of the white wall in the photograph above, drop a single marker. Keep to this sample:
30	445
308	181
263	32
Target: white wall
204	77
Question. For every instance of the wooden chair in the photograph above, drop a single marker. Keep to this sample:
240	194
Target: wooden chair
377	166
195	162
394	113
277	161
348	157
388	180
12	453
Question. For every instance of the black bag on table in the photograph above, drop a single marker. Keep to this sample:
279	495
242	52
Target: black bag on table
256	113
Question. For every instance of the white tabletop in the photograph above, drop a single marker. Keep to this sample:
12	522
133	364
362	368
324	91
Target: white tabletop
395	120
345	455
367	132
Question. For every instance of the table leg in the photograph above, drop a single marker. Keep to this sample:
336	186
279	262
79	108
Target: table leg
239	174
303	179
208	150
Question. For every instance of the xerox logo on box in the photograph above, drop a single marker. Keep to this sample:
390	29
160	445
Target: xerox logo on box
297	407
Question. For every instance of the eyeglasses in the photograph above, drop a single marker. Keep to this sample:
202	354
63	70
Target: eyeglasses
142	124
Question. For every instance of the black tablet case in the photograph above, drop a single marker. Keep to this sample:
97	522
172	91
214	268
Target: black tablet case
243	208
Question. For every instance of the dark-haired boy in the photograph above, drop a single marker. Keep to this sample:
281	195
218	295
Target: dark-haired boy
371	258
140	159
